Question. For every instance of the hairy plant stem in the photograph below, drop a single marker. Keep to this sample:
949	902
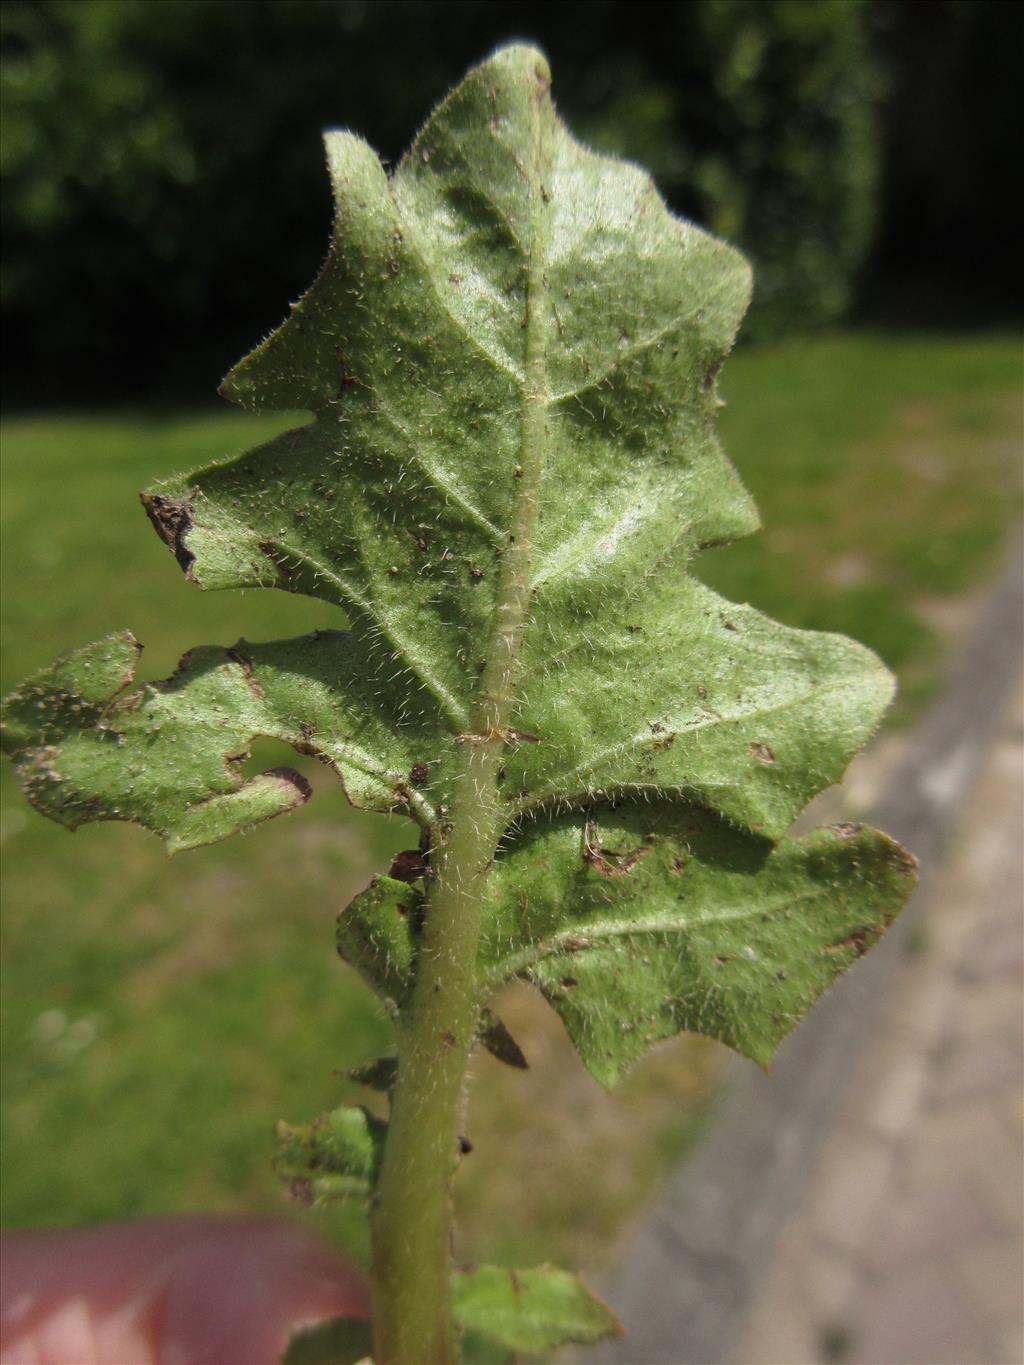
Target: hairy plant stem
412	1218
412	1231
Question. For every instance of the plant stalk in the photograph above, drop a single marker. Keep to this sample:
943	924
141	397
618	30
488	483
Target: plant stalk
412	1231
412	1217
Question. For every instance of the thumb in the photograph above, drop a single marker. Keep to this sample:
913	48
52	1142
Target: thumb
169	1291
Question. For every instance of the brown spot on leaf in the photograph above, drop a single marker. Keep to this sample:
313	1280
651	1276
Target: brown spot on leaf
677	866
302	788
604	860
860	941
408	866
521	736
172	521
245	664
761	752
845	830
909	865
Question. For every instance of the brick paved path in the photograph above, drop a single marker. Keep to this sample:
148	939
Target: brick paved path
907	1248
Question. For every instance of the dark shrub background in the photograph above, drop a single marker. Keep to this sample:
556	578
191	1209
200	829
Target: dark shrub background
165	195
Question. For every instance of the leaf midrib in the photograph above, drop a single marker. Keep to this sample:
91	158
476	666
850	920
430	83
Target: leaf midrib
498	684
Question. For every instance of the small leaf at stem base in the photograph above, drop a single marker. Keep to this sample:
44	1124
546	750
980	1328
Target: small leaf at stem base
528	1311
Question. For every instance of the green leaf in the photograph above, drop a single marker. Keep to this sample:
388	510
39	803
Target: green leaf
338	1341
510	360
375	937
638	923
399	500
333	1158
168	755
722	706
529	1312
376	932
412	351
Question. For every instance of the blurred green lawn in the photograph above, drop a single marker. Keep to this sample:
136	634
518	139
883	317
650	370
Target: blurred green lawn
158	1017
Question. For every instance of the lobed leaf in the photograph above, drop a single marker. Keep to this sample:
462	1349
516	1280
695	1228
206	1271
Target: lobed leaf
412	351
510	357
398	501
638	923
169	754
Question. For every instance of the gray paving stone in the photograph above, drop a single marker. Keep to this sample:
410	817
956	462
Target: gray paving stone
922	1225
936	1274
923	1316
831	1278
893	1090
786	1336
976	1067
842	1196
996	950
850	1184
994	1009
1011	1348
993	1271
924	1005
1011	1111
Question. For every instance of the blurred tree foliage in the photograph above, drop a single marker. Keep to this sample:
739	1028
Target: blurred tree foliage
952	118
163	182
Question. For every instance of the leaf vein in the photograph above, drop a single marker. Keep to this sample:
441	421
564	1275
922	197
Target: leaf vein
683	729
603	930
442	478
